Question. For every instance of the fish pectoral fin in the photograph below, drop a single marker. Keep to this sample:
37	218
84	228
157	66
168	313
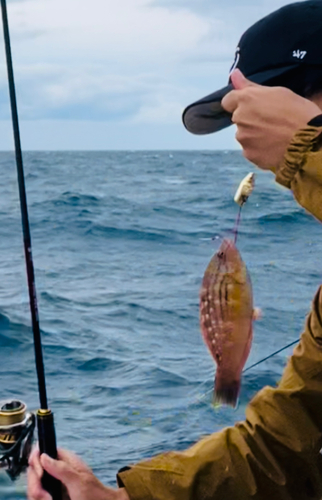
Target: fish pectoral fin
257	313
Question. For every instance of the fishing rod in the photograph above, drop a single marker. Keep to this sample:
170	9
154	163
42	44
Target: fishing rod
45	417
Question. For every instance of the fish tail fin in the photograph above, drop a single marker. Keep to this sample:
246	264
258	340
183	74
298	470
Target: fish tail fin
226	392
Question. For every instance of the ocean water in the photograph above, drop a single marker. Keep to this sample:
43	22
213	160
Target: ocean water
120	244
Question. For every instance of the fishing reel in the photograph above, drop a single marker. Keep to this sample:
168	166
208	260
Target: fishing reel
17	427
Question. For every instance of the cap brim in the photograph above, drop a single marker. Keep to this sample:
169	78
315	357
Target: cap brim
207	115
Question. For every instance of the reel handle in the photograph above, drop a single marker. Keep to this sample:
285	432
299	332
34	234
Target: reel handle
47	444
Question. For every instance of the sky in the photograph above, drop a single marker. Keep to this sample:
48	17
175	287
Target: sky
117	74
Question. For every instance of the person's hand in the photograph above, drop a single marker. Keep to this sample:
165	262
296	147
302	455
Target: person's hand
266	118
79	482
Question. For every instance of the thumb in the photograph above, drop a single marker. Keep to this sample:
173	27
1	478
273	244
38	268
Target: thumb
239	81
58	469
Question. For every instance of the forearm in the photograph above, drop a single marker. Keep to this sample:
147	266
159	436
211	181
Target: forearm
290	416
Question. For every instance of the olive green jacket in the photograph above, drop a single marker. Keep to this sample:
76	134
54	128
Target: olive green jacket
275	453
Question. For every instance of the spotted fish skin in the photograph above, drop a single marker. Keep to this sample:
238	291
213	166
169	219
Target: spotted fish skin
226	317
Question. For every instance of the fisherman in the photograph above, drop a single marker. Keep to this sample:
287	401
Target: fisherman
275	99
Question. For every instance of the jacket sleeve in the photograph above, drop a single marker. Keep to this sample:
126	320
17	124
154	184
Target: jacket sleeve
274	453
301	169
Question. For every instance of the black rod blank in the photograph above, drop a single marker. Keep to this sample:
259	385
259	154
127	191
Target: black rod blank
24	217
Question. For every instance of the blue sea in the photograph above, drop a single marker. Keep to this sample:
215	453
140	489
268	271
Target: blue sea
120	244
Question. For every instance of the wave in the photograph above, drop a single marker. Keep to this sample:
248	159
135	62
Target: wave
78	199
168	237
256	380
288	218
160	378
149	315
99	364
14	333
55	299
50	209
120	291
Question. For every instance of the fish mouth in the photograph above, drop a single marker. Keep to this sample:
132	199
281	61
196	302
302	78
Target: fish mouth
227	249
230	260
226	245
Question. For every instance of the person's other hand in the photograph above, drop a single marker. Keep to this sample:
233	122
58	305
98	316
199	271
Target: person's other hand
79	482
266	118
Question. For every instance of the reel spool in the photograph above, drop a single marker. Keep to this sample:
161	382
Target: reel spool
16	435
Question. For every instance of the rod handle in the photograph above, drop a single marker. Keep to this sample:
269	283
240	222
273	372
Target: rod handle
47	444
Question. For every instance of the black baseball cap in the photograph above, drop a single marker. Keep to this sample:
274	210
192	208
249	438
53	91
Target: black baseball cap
277	44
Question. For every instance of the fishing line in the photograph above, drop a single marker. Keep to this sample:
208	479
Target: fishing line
270	356
237	223
45	419
194	393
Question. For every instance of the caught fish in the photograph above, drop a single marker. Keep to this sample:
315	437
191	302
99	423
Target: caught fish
226	319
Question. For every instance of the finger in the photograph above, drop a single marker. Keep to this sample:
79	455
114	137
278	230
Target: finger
35	490
239	81
34	462
58	469
73	460
230	101
33	455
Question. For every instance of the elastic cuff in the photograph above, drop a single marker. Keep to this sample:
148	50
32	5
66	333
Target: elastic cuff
135	487
305	141
316	320
316	121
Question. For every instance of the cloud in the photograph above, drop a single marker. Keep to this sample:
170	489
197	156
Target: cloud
229	7
98	60
138	62
87	92
102	29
